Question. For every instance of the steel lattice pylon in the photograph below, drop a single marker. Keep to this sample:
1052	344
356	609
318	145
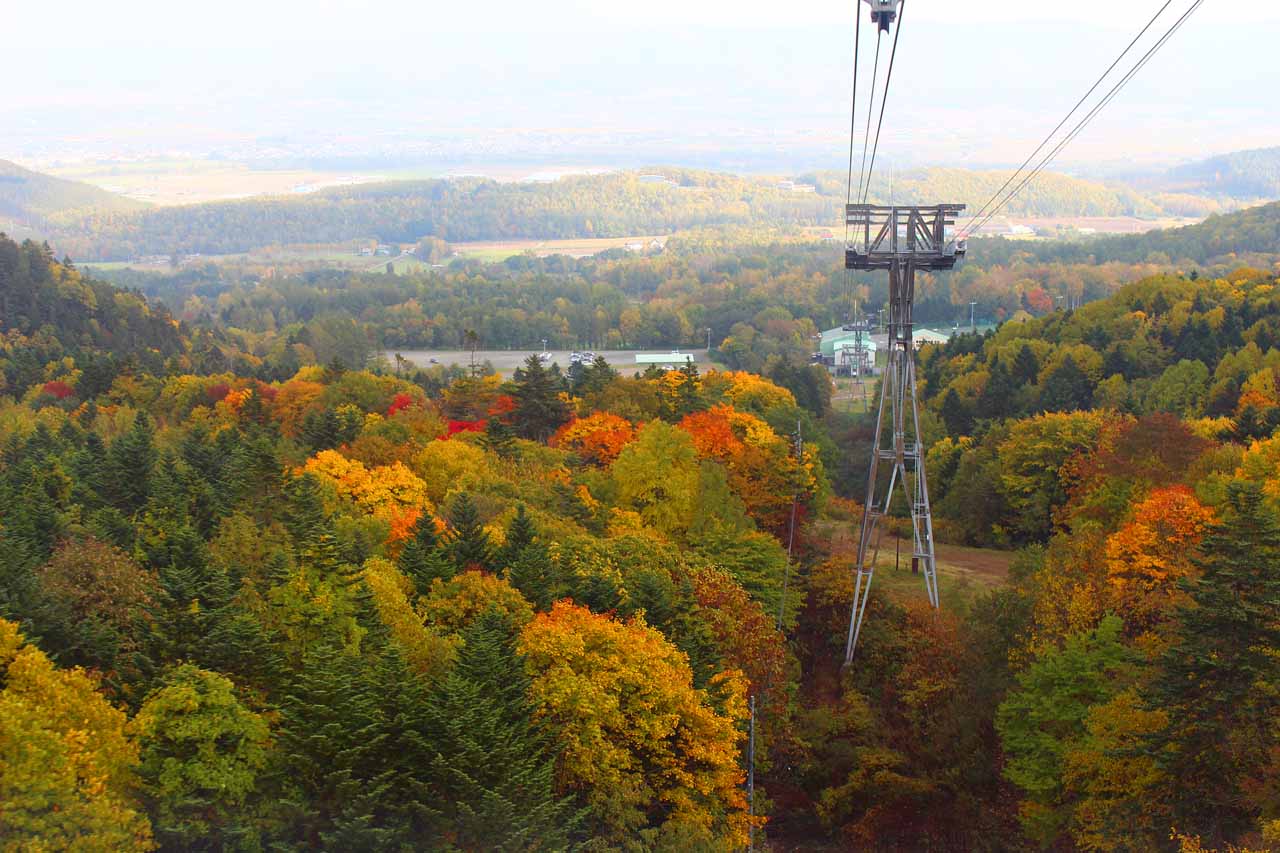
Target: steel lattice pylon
901	240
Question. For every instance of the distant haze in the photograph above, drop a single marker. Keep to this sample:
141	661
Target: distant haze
747	86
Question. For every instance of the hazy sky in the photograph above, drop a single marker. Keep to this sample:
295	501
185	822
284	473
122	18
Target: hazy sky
976	83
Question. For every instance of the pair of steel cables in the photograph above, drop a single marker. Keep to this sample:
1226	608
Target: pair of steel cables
864	173
1022	177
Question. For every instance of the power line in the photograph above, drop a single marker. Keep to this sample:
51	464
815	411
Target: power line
1083	123
884	98
871	105
1068	116
853	135
853	110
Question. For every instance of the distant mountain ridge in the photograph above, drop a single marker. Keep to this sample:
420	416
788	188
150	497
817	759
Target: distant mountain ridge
654	200
1253	174
1050	194
1225	237
89	223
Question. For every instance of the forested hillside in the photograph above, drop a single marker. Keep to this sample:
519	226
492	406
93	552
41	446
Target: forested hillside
662	200
1253	231
38	201
616	204
1251	174
1049	195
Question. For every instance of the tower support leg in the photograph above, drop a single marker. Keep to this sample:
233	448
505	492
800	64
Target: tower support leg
898	444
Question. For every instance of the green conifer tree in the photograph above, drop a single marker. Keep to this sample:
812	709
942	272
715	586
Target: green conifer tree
492	769
130	460
1220	679
955	414
309	525
498	438
539	410
1067	388
468	544
1026	367
520	535
422	559
528	565
996	399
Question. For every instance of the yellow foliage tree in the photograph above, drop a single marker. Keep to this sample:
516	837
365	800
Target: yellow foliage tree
641	743
387	491
1114	780
451	465
425	651
746	391
454	604
66	765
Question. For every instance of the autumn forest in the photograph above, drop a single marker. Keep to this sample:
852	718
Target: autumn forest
266	586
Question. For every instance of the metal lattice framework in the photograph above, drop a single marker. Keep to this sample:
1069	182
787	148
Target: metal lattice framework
900	239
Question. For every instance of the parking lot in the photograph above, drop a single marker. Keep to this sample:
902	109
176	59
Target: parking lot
506	361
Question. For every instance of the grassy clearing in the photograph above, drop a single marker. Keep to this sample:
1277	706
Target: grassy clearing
963	572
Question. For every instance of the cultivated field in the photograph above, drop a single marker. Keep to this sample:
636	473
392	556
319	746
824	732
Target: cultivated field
500	250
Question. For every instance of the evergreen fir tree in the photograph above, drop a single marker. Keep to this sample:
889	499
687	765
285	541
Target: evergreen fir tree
353	755
594	377
421	559
688	394
997	395
492	772
130	460
520	535
469	544
319	430
955	414
600	593
498	438
308	524
1026	367
1220	678
527	564
534	574
539	410
1067	388
87	467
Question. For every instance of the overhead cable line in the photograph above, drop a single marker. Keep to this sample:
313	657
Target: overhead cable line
853	134
853	110
1084	122
884	98
1068	116
871	105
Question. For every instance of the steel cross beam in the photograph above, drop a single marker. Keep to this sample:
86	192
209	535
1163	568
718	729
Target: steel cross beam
900	239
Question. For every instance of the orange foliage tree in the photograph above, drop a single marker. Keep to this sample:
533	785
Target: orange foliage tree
763	471
1149	555
597	438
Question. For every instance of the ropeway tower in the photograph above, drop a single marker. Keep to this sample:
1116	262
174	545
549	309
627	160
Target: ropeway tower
900	239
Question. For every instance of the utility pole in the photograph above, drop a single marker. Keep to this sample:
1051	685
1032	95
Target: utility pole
973	327
791	537
751	778
708	343
901	240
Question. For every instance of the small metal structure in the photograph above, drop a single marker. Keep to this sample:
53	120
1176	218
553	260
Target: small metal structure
883	12
900	239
